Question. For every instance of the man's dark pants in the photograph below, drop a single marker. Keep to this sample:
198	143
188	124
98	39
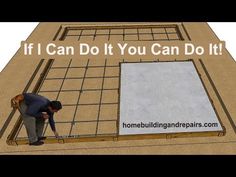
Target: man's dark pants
34	126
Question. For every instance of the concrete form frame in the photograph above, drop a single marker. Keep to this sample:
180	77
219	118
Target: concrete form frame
13	140
62	32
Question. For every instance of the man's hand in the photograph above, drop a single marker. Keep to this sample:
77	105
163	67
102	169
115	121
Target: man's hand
56	134
45	115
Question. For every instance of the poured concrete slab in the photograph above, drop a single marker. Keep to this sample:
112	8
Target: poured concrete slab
164	97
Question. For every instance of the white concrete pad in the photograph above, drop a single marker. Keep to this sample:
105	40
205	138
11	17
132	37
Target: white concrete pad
164	97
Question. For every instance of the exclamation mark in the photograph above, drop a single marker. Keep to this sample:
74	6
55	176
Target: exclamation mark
220	48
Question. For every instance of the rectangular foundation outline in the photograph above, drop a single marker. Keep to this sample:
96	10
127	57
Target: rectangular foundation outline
115	137
64	29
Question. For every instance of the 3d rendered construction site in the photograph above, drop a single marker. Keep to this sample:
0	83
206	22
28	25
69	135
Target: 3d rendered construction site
115	104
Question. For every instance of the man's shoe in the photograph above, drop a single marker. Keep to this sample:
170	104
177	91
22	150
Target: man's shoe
36	143
41	138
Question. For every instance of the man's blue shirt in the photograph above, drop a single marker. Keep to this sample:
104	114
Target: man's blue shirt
36	105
